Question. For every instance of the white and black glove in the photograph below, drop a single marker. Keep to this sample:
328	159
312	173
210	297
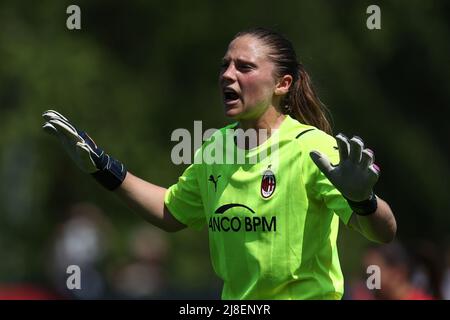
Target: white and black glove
354	176
82	149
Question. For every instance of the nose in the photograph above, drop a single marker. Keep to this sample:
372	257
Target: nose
228	74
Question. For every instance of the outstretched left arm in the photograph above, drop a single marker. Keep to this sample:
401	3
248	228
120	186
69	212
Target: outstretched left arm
355	177
379	226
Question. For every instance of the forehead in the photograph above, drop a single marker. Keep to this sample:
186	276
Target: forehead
247	48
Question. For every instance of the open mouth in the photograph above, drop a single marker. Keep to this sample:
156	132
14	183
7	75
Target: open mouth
230	96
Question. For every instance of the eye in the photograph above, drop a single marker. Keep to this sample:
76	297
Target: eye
245	67
224	65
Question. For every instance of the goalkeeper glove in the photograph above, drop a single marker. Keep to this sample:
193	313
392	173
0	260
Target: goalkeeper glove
82	149
354	176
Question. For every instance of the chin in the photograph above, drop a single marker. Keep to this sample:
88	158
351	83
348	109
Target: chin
233	113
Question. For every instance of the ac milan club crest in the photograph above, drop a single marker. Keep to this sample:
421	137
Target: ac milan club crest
268	183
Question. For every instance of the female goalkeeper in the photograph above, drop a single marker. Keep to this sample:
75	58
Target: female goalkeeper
272	224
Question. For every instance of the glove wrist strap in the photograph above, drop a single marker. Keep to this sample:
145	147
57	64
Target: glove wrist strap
112	175
366	207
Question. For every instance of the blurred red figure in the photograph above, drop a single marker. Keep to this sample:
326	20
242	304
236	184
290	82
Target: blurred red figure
25	292
396	271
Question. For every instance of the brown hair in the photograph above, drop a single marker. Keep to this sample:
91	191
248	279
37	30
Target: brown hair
301	102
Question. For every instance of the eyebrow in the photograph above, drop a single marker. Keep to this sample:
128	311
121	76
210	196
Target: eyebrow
240	61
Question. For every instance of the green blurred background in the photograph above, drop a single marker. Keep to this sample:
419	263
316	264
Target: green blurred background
137	70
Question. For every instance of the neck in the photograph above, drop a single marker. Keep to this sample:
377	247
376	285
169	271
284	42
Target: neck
270	120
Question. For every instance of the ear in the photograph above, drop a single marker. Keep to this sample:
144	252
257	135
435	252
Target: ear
283	85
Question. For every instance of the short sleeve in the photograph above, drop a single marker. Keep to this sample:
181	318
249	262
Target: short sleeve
317	182
184	200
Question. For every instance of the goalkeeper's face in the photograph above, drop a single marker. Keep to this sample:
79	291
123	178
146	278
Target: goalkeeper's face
247	79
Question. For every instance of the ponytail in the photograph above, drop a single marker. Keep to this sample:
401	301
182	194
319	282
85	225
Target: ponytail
303	104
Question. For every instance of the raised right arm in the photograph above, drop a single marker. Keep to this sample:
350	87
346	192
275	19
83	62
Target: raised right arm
144	198
147	200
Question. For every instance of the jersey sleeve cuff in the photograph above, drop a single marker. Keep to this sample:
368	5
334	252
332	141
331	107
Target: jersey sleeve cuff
177	213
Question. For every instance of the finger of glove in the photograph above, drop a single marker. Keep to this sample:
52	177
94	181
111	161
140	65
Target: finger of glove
52	114
356	147
374	174
85	160
375	168
343	146
322	162
66	130
50	129
367	158
69	145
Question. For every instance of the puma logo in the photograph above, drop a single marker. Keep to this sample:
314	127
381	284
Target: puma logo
211	178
